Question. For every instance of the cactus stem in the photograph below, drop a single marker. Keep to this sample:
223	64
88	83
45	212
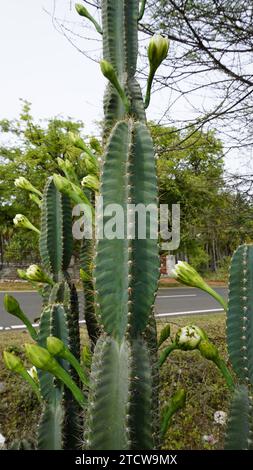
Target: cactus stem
225	372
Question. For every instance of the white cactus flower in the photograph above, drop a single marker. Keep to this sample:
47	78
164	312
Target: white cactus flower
188	337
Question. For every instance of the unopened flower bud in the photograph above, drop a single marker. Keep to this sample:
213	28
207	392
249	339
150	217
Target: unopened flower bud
23	183
157	50
11	305
22	221
178	399
55	345
208	350
91	182
187	275
39	357
13	362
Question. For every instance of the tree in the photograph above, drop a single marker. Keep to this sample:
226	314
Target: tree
214	218
211	51
31	150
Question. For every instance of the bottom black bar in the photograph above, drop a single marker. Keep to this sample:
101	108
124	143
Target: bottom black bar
112	459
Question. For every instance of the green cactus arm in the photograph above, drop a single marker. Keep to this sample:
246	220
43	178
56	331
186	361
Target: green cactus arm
130	35
60	318
240	313
56	241
87	260
12	306
142	9
107	412
240	423
140	410
50	435
119	262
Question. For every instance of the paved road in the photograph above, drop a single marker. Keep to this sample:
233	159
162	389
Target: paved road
170	302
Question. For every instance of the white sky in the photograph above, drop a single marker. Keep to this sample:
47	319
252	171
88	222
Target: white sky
40	65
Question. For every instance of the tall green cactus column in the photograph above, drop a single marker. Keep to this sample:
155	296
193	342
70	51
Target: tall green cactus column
120	413
240	348
60	420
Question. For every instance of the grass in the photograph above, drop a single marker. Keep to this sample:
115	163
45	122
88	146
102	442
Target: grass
206	390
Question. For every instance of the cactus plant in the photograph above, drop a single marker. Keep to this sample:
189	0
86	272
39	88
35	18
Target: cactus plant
122	409
240	347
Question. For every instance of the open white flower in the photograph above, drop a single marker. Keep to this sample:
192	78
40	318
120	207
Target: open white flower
35	273
189	337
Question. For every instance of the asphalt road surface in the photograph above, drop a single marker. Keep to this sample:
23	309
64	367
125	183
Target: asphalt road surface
170	302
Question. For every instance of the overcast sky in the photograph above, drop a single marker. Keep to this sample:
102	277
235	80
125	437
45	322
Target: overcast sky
40	65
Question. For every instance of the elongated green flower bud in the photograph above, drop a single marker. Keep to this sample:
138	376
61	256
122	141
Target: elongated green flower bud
179	398
68	169
157	50
82	11
72	190
22	274
12	306
109	72
91	182
23	183
42	359
91	163
176	403
13	362
22	221
165	334
208	350
35	273
187	275
188	337
35	199
56	347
